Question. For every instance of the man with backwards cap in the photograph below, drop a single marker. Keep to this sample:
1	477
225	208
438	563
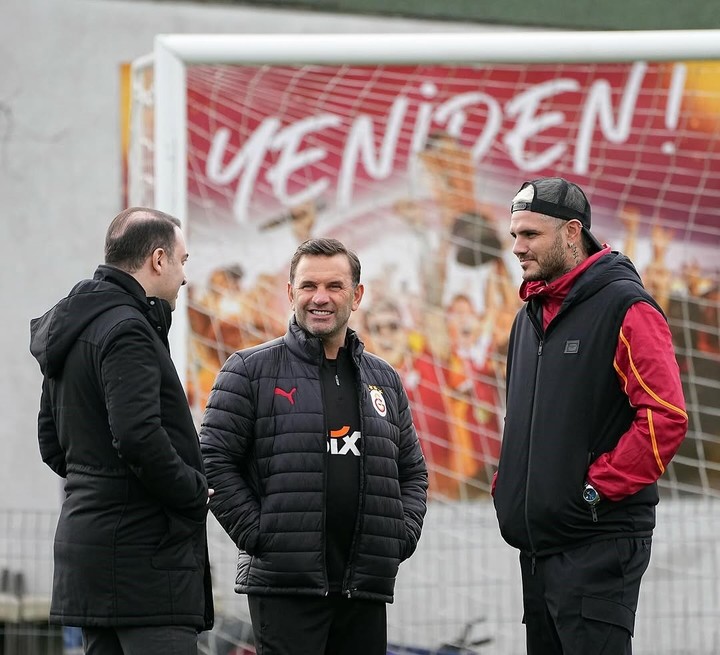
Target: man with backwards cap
595	412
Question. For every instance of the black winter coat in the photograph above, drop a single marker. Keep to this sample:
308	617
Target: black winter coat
131	544
266	459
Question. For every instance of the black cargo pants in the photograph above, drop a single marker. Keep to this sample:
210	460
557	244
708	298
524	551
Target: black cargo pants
583	600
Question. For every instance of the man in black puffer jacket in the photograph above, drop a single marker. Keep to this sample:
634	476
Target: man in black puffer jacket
131	565
318	474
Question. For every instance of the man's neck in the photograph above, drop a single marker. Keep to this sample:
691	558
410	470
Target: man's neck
333	344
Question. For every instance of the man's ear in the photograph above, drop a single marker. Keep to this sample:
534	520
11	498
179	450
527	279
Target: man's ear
573	231
358	292
158	259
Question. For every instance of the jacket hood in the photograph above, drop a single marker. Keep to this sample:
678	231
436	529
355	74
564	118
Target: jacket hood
610	268
54	333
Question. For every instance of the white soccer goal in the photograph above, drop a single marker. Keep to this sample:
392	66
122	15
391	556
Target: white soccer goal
408	147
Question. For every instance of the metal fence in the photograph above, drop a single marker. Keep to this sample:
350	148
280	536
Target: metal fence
462	579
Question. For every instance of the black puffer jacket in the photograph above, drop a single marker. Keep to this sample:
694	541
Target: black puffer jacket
131	545
266	459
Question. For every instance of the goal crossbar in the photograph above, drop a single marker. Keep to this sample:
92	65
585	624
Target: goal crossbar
444	48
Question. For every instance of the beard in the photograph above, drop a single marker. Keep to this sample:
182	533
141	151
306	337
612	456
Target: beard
552	265
323	329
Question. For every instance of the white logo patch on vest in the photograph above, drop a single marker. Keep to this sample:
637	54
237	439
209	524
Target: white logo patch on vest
378	400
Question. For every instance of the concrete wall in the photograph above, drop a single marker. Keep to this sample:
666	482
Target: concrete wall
606	15
60	172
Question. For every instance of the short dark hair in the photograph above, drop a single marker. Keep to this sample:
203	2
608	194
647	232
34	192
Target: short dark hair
325	248
135	233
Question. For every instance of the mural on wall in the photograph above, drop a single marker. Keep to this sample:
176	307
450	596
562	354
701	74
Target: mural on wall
414	169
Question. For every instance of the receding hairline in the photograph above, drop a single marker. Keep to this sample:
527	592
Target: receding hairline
133	215
136	232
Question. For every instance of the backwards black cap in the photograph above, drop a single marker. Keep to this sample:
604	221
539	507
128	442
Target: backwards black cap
555	196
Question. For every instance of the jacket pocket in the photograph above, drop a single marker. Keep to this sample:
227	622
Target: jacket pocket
176	549
407	546
251	543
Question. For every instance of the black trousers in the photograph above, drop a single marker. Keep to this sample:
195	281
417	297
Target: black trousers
306	625
147	640
583	600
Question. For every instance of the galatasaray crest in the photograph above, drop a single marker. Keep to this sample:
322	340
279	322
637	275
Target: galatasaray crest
378	400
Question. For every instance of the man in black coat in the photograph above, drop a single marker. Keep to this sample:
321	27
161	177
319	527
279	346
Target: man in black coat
318	474
131	565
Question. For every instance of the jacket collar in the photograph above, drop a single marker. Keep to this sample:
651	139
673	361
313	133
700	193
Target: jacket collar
558	289
157	310
308	347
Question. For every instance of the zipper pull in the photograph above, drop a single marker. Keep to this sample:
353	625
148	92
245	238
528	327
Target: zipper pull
337	381
540	347
532	565
594	514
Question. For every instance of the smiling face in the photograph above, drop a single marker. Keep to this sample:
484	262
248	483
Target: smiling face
540	245
323	298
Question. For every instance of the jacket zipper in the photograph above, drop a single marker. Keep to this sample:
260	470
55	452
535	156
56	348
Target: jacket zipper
347	589
532	422
323	536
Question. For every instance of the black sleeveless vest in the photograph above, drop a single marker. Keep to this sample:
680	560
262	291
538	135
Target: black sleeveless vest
564	409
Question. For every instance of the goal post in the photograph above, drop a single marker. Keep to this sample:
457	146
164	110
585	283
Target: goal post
174	52
408	147
656	154
633	116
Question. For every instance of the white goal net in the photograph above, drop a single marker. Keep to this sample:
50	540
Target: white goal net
409	150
